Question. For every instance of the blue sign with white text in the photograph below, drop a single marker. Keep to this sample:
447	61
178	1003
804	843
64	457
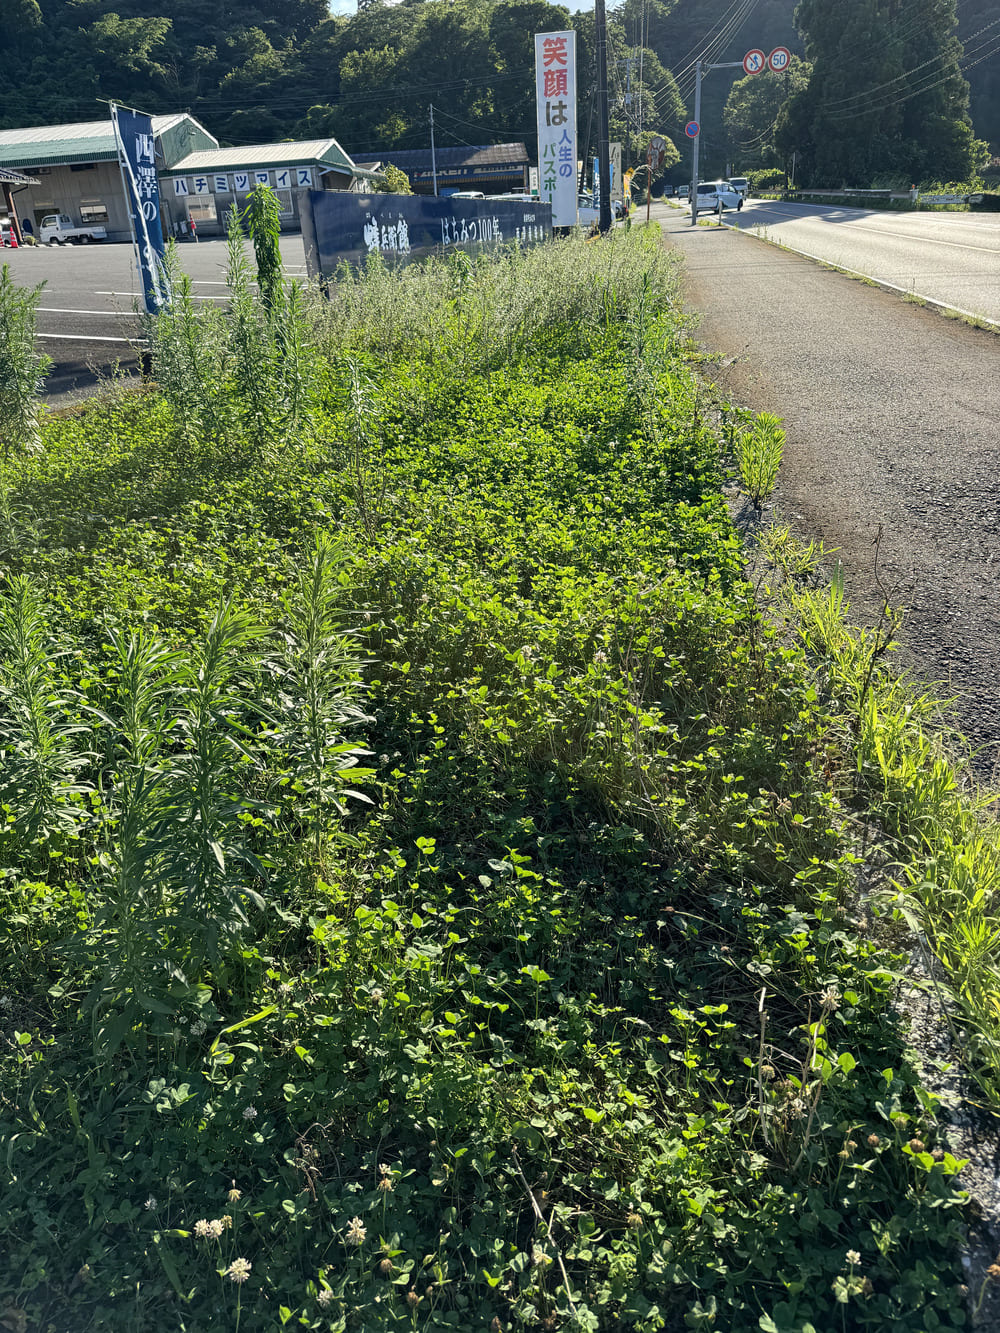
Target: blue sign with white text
134	132
338	226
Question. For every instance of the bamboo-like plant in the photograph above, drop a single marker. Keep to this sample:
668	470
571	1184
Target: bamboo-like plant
22	369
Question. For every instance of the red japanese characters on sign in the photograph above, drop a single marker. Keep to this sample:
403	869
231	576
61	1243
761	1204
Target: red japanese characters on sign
555	83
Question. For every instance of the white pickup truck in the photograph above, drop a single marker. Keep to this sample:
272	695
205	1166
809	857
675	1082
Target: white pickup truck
58	228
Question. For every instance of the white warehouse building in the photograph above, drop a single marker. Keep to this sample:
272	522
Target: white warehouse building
74	170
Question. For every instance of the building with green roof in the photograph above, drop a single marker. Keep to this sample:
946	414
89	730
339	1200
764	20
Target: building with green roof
76	167
75	171
205	184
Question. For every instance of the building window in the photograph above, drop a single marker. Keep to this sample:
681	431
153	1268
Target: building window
93	211
202	210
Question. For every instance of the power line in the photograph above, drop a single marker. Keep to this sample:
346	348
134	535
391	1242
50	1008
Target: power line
906	74
924	87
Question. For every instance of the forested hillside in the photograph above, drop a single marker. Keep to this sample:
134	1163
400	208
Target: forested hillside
255	70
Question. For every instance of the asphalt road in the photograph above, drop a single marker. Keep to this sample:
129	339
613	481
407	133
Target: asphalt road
87	320
951	258
892	415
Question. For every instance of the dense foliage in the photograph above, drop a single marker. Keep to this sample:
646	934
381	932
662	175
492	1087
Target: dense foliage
259	70
886	95
429	889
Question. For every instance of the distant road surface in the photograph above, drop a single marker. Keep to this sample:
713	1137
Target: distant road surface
953	258
86	311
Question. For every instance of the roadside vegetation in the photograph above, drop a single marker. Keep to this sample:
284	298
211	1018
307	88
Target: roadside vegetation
441	889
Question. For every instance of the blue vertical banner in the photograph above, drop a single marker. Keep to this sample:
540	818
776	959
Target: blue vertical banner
137	156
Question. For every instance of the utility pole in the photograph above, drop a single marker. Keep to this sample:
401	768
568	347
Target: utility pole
603	118
697	140
434	169
629	118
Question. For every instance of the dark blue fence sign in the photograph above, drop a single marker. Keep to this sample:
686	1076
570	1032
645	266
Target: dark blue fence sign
338	227
137	155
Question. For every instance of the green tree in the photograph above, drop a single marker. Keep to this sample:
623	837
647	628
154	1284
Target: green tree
753	111
886	98
396	181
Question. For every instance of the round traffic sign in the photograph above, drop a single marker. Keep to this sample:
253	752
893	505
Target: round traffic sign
779	59
754	61
692	129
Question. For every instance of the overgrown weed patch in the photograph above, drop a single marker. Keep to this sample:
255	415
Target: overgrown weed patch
562	1020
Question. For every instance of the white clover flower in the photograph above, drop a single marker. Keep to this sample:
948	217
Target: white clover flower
376	995
249	1113
234	1194
151	1205
199	1029
324	1297
202	1229
285	988
238	1270
853	1258
215	1228
356	1232
830	998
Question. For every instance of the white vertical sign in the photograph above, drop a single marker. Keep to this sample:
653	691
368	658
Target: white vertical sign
555	85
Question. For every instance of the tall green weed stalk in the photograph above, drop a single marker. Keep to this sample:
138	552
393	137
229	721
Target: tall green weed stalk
22	369
44	743
314	677
190	358
275	371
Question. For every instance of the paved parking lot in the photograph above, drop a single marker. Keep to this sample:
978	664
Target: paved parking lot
87	320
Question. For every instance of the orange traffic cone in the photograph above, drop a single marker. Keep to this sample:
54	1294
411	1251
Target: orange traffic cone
13	239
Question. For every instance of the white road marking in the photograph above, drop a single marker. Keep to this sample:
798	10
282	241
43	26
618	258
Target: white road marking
135	296
88	338
62	310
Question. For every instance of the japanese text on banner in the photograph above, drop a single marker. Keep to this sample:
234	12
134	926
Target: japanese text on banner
555	85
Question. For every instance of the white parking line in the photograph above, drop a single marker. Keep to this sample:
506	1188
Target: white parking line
62	310
88	338
135	296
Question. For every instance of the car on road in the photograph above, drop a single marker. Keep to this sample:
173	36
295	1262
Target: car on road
740	183
716	196
683	191
467	194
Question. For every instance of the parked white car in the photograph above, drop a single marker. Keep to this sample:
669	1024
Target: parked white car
60	229
715	196
740	183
